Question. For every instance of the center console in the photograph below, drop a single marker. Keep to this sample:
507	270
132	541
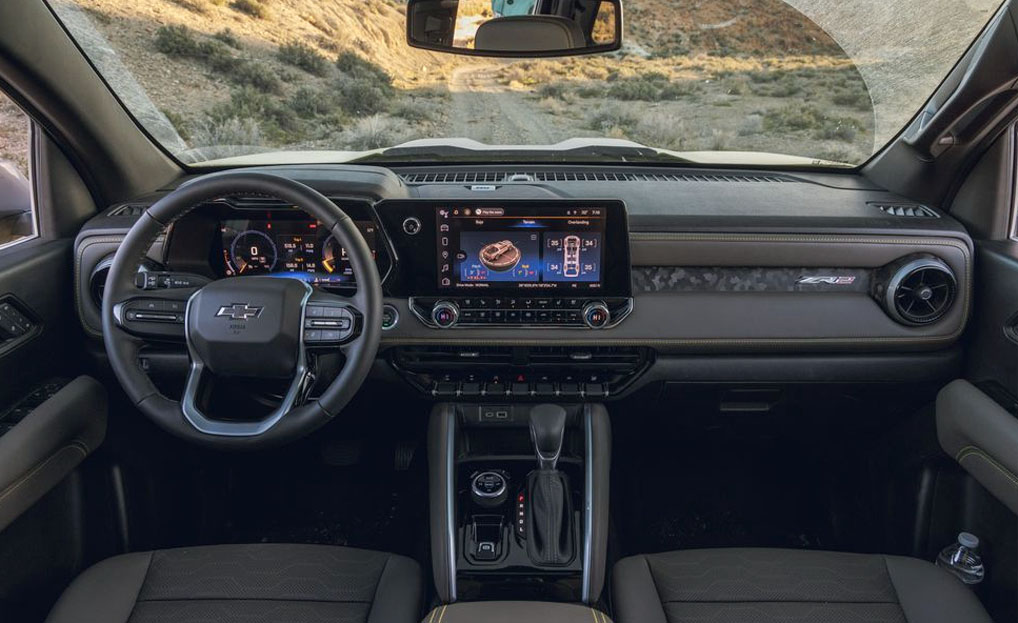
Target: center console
519	501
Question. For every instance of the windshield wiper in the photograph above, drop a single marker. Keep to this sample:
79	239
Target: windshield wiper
572	150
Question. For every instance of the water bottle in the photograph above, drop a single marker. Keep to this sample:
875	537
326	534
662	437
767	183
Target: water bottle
961	559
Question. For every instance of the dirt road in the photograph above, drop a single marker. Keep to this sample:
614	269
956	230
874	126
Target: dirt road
484	110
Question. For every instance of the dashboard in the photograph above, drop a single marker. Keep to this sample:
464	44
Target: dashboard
568	263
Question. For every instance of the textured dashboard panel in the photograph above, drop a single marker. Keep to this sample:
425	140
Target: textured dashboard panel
735	279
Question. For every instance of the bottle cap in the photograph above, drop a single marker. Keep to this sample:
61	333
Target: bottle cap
968	540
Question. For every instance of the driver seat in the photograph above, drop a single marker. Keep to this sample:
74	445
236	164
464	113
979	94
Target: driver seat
263	583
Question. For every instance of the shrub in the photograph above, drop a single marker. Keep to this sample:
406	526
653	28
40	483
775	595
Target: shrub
257	76
838	128
308	102
305	57
176	41
374	132
359	69
415	110
660	129
859	100
612	118
210	131
657	87
226	36
556	90
254	8
362	97
792	118
249	103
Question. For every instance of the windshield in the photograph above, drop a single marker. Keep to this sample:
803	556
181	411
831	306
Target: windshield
715	81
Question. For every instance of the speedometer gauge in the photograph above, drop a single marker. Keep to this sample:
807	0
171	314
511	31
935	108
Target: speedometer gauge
333	256
253	252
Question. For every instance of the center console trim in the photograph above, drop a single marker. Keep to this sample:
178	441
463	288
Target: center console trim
450	503
588	502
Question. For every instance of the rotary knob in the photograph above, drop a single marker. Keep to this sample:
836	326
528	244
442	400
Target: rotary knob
445	314
596	315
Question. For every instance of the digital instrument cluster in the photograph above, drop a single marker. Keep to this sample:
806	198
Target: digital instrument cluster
300	248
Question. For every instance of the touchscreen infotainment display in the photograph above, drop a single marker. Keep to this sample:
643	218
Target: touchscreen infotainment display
520	247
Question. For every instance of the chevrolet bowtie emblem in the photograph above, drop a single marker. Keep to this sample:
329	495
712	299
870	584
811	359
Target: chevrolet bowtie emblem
239	311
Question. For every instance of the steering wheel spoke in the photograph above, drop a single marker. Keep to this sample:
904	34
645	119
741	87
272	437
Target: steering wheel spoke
330	321
154	315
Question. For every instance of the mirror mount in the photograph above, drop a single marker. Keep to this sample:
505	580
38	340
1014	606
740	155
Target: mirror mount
515	28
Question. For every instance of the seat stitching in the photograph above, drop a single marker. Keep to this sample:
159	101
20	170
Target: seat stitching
894	588
141	587
778	601
442	616
274	599
653	580
969	451
593	614
378	585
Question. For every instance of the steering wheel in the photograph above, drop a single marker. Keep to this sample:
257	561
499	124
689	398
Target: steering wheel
256	327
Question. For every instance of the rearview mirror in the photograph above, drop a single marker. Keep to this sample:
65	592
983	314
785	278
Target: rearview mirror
515	28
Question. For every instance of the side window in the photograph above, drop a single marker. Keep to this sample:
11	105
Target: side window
17	222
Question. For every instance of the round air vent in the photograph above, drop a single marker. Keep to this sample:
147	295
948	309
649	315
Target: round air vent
920	291
97	280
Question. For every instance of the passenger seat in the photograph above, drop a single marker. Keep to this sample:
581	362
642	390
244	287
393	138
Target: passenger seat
771	585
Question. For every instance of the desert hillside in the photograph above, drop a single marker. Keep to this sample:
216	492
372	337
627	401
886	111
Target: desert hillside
214	78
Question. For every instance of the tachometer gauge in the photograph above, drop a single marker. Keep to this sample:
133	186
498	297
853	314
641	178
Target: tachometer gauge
333	256
253	252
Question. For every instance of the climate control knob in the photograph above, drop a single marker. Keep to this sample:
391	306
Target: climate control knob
445	314
596	315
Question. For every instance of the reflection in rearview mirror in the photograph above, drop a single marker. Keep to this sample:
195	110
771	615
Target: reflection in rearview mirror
516	28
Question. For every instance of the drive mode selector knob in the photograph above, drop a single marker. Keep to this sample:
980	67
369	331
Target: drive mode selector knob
445	314
489	489
596	315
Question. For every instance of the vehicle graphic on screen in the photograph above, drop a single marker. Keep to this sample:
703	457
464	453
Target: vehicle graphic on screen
501	256
571	257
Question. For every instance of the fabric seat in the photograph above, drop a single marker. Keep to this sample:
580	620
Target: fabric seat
246	584
765	585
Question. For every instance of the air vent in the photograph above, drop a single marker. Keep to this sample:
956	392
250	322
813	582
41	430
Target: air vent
506	177
920	291
128	209
913	210
97	280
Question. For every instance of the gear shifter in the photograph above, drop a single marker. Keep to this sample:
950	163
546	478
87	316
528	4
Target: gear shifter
547	428
550	515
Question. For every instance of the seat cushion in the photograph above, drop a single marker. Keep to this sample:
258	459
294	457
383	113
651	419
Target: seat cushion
246	583
764	585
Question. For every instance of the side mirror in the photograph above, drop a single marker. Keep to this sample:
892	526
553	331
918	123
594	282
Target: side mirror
515	28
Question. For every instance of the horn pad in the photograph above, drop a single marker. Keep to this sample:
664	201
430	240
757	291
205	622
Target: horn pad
248	326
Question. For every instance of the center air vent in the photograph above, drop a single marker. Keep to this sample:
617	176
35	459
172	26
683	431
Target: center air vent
921	289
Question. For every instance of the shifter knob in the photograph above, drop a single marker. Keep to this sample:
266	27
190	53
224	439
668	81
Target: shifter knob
547	428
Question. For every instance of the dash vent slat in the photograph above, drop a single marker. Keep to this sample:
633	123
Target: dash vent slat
510	177
907	210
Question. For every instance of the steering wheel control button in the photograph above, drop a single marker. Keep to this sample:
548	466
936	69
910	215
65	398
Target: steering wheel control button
489	489
445	314
596	315
390	317
412	226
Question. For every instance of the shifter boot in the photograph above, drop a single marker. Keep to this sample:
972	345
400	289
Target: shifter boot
549	518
